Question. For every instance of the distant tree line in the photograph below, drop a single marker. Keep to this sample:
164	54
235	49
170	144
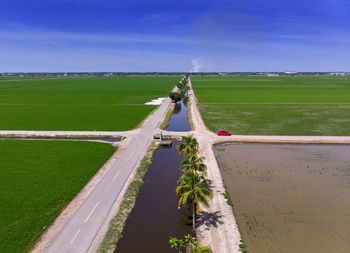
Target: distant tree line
181	93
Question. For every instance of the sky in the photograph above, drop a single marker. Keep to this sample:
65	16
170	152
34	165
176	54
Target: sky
170	36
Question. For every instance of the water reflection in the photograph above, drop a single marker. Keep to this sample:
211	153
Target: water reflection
179	120
156	217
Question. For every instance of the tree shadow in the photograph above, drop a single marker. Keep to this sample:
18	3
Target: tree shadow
209	219
177	108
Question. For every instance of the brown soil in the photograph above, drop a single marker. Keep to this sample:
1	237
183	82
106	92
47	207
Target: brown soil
289	197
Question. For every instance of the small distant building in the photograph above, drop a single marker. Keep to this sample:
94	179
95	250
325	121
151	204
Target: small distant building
338	74
272	74
290	72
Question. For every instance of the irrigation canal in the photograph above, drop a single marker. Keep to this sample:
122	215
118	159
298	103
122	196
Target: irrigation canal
155	216
179	119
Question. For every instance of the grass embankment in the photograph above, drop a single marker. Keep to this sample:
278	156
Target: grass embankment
169	113
117	224
38	179
77	137
81	103
299	105
189	116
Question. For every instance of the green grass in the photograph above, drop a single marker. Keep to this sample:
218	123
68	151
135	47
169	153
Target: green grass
79	103
169	113
77	137
38	179
253	105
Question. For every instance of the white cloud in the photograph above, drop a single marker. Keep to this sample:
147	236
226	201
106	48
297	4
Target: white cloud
88	37
88	59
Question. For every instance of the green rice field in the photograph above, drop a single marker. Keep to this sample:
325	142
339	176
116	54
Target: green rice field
38	179
285	105
79	103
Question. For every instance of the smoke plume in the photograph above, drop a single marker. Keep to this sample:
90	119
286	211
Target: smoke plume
197	65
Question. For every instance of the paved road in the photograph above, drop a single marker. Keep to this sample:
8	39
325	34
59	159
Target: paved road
80	231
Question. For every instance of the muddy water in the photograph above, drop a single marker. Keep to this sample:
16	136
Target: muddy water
289	198
179	120
155	217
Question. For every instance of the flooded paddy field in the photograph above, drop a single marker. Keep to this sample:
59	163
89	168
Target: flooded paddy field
289	197
155	216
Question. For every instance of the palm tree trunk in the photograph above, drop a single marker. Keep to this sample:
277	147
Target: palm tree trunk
193	214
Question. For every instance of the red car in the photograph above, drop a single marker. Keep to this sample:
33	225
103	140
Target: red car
224	133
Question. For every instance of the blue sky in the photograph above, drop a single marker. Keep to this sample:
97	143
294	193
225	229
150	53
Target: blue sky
191	35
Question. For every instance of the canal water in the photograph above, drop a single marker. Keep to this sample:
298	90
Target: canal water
289	197
155	216
179	120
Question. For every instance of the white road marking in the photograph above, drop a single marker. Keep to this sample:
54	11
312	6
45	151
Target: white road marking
87	218
75	236
114	178
130	155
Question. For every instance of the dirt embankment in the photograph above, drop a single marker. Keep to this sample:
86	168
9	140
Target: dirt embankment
217	227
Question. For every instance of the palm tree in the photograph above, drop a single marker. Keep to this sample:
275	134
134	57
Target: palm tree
193	189
190	145
193	162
